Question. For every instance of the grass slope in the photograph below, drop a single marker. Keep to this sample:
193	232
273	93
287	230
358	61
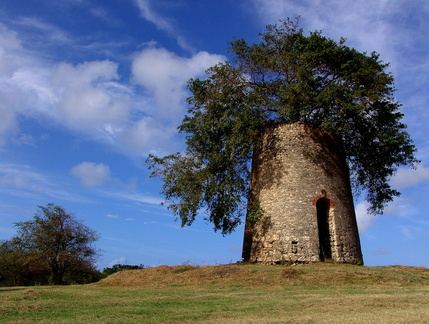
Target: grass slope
236	293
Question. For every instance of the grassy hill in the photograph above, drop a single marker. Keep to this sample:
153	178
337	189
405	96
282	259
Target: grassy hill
258	275
236	293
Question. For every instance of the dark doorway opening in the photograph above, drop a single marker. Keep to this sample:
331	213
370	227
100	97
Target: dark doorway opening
322	206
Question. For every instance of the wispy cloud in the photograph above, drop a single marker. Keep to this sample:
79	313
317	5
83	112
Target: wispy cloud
150	15
44	30
18	180
22	177
138	197
161	22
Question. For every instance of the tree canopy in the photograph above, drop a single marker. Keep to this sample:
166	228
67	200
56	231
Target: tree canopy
53	242
288	77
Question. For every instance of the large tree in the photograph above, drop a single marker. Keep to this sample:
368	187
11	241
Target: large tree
288	77
56	239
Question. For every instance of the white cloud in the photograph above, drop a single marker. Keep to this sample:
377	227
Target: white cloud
86	98
10	97
150	135
91	99
164	75
9	39
91	174
9	44
364	220
409	177
23	85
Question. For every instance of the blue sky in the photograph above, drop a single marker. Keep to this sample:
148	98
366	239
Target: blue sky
88	88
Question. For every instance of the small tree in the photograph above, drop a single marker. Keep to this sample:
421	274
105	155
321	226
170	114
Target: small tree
55	238
288	77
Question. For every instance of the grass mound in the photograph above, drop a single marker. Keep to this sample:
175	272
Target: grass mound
233	294
257	275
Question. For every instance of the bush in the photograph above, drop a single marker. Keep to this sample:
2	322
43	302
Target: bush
120	267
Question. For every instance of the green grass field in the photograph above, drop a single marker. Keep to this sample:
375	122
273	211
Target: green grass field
236	293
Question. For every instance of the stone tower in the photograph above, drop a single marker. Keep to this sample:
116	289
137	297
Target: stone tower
301	181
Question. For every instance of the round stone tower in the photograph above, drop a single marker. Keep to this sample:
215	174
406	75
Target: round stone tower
300	180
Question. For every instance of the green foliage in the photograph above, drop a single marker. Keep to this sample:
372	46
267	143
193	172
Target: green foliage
53	247
254	212
81	273
288	77
120	267
16	269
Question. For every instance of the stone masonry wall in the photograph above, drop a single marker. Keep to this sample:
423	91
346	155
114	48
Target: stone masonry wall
293	167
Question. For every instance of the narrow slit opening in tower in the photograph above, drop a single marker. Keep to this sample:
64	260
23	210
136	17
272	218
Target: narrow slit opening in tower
323	206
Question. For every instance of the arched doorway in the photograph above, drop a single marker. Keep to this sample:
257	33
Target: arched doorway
323	205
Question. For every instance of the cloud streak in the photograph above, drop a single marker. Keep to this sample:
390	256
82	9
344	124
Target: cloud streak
162	23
